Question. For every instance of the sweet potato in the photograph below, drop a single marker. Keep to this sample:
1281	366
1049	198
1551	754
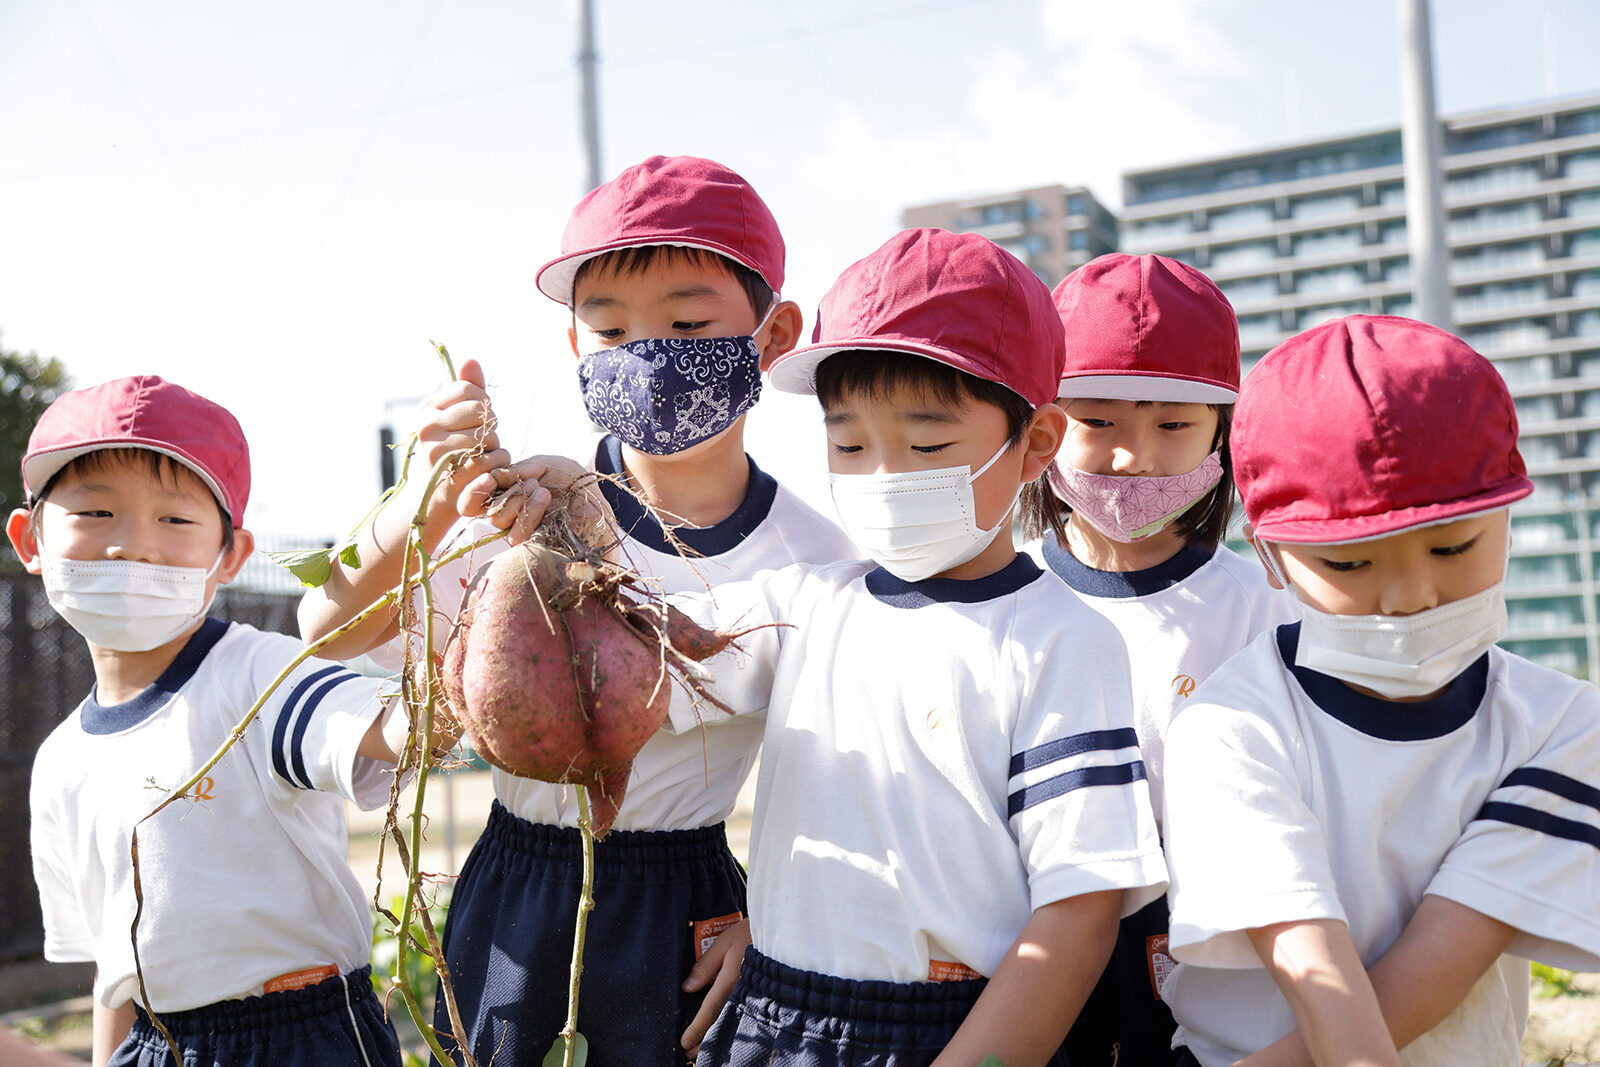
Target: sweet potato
559	676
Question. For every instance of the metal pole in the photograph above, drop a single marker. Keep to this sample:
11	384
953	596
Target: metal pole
1422	145
588	76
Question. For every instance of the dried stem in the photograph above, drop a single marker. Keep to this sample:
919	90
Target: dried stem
569	1032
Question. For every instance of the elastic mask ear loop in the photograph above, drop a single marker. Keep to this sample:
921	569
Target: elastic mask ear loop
1269	560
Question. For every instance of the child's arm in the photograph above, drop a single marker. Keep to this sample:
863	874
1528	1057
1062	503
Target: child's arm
458	416
1314	963
1429	970
110	1028
1026	1009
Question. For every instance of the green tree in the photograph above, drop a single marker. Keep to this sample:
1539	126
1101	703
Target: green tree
27	386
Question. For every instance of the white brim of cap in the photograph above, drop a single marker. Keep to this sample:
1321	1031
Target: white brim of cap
1146	387
555	279
796	371
38	470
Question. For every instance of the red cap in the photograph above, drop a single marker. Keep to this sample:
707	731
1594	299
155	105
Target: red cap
143	412
1147	328
668	200
957	298
1371	424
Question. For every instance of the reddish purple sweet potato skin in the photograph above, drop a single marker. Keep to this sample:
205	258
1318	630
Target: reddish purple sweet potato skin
566	695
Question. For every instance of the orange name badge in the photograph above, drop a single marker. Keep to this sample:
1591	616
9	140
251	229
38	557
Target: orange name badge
946	971
707	930
300	979
1161	964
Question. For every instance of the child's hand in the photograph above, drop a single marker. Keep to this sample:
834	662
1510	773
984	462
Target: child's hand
460	416
515	497
721	962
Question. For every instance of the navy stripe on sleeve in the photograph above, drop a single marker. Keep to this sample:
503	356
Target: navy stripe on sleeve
1039	792
1542	821
1554	782
307	710
1077	744
280	761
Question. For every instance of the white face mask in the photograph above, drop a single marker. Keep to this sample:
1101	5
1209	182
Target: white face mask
126	605
915	523
1399	656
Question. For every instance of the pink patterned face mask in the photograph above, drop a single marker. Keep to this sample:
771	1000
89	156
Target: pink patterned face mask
1129	508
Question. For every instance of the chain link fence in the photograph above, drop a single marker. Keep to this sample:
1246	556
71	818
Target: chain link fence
45	672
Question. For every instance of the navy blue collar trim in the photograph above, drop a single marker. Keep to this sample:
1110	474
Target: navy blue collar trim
1387	719
1124	584
101	719
898	593
640	525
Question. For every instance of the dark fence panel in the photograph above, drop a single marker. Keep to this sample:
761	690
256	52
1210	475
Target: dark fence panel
45	672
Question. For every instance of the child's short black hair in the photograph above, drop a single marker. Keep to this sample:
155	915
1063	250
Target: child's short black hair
157	464
640	258
1205	523
874	372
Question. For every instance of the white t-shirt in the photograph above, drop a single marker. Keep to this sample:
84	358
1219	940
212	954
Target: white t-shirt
245	882
941	758
679	781
1180	620
1290	796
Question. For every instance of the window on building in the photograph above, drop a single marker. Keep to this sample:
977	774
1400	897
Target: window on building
1498	217
1397	271
1480	140
1564	656
1392	233
1258	329
1078	240
1499	258
1539	449
1393	195
1246	291
1243	256
1586	324
1316	315
1501	295
1508	336
1535	531
1532	410
1399	305
1492	180
1153	233
1582	164
1578	123
1329	280
1538	571
1584	203
1586	284
1586	243
1075	204
1243	217
1316	207
1328	242
1545	613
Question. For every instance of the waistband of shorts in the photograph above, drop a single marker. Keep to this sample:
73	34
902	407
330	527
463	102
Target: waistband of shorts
514	835
248	1014
858	1000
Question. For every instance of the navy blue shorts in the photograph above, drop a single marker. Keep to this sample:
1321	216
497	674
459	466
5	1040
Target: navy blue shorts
793	1018
1124	1023
337	1022
508	939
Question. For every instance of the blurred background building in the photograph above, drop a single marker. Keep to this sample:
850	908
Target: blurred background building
1305	232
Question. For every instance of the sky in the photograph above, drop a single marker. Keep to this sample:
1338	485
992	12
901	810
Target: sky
281	205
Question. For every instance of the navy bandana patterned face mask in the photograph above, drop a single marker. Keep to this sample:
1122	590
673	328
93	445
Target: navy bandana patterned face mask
661	395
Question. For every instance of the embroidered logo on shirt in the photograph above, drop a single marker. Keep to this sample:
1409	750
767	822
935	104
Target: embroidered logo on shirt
300	979
706	931
939	718
205	789
946	971
1184	684
1161	964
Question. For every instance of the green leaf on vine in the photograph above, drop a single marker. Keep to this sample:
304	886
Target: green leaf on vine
557	1056
311	566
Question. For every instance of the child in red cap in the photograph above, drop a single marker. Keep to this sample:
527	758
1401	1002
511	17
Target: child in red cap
1132	513
1377	785
254	936
672	271
951	814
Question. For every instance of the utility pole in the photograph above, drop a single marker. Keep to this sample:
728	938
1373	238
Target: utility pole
589	92
1422	147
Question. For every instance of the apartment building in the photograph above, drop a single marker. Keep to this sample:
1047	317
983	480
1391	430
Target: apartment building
1052	229
1302	233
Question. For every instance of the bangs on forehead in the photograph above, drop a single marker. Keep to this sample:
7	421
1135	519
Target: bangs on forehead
637	259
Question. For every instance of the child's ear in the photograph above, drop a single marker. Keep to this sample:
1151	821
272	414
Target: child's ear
1042	439
783	333
19	531
244	543
572	339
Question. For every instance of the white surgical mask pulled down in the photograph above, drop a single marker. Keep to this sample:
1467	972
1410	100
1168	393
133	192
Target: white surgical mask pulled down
916	523
1399	656
127	605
